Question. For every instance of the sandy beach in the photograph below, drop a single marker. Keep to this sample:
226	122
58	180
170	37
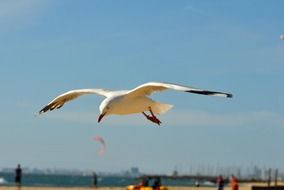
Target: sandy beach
111	188
104	188
241	187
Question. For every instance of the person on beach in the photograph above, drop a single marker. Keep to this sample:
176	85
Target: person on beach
144	183
157	184
234	183
220	182
197	183
18	176
95	179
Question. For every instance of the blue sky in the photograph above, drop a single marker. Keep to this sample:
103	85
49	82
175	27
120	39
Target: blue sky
49	47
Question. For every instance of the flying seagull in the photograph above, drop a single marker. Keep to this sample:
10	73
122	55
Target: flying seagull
125	102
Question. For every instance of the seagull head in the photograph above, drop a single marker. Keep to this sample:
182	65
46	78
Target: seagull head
105	108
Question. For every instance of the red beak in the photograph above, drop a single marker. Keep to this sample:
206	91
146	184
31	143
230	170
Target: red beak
100	117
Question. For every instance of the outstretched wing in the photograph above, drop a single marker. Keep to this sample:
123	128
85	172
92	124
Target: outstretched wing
150	87
60	100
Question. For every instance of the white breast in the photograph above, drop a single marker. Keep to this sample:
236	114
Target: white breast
132	105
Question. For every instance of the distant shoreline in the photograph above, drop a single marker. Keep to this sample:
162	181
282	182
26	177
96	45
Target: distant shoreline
242	186
98	188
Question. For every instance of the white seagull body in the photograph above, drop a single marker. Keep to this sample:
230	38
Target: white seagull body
130	101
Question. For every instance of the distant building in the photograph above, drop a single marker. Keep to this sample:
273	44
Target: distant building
134	171
257	172
239	173
175	173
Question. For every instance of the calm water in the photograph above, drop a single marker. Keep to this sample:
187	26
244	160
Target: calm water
80	181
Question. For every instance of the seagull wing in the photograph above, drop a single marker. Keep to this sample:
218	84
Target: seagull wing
150	87
60	100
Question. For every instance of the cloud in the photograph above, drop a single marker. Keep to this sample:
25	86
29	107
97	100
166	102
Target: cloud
177	118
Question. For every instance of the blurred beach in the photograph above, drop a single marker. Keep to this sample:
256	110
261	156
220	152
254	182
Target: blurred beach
242	186
79	182
114	188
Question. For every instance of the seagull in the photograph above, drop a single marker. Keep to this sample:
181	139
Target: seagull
133	101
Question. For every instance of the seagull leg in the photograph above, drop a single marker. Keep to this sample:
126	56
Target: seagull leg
152	117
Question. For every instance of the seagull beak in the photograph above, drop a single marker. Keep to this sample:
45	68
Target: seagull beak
100	117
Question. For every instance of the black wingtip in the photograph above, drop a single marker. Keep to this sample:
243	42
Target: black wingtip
210	93
229	95
45	109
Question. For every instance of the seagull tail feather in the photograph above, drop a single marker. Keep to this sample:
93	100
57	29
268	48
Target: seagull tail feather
161	108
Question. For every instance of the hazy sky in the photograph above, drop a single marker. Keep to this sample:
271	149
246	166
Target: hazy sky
48	47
